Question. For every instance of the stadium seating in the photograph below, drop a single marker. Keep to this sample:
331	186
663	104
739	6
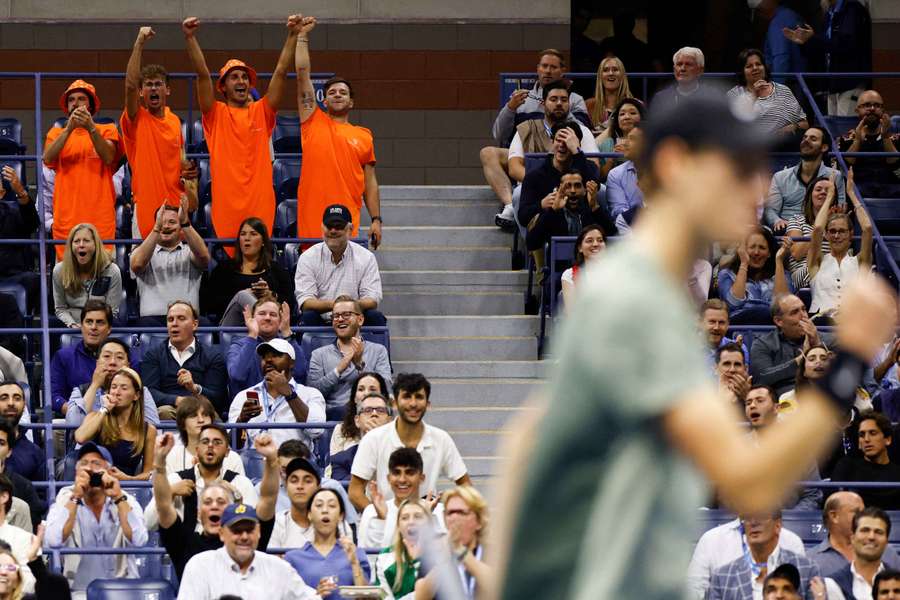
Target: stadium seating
197	143
286	136
838	126
11	136
130	589
285	219
286	177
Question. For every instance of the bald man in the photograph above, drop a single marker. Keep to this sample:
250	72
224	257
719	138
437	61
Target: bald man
876	176
835	552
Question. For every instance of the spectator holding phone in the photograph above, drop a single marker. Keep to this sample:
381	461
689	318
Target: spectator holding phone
333	368
168	264
235	285
86	272
278	398
94	512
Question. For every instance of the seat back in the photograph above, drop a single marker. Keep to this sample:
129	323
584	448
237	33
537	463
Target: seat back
18	292
838	126
197	145
286	177
204	182
562	255
130	589
11	132
286	135
285	219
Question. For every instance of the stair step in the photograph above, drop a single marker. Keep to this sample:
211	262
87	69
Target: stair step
436	213
451	303
442	281
479	443
442	235
462	419
464	348
459	193
443	258
467	325
483	467
473	369
451	393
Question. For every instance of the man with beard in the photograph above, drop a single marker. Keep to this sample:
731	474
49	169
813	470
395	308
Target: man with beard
871	530
788	187
74	364
169	263
153	143
338	157
178	534
440	456
575	207
875	436
237	132
743	578
278	398
28	460
113	356
334	368
335	267
239	569
188	485
541	186
760	408
872	134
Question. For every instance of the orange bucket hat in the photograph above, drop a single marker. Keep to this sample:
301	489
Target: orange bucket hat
84	86
230	66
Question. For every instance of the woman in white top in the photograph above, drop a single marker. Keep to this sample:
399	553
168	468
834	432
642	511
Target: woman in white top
347	434
774	104
589	243
830	273
193	413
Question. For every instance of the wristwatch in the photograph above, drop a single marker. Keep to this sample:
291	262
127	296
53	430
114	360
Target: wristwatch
378	218
120	499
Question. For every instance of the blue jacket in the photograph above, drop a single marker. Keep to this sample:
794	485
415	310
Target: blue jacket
733	581
207	366
27	459
341	463
70	367
243	363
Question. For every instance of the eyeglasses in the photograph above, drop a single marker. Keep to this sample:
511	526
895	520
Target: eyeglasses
871	105
343	316
216	443
838	231
373	410
459	512
9	568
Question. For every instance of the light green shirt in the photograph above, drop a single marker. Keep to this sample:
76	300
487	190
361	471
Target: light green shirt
608	505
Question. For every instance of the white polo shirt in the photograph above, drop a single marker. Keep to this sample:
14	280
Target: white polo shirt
439	456
212	574
277	410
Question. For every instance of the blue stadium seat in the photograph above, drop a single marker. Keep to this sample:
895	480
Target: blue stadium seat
895	123
838	126
288	257
204	183
533	162
286	136
226	337
18	292
883	208
316	337
777	163
197	144
285	219
123	222
150	339
130	589
286	177
208	223
11	136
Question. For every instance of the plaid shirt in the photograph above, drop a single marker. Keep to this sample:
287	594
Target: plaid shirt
734	580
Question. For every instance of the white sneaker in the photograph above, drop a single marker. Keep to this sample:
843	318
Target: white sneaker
506	219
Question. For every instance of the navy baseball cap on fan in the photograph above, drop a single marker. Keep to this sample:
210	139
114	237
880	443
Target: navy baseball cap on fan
707	120
234	513
301	464
96	448
337	214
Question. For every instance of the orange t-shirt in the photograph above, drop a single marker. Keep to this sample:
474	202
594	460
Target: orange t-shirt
153	146
240	165
83	191
334	155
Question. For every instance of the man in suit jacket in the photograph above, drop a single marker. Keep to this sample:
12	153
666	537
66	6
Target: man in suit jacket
871	530
737	579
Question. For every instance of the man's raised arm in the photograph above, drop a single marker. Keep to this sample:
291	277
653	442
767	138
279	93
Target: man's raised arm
276	84
306	94
205	93
133	72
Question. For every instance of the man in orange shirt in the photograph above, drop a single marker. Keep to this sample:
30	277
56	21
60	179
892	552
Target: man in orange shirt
84	156
153	142
237	132
338	158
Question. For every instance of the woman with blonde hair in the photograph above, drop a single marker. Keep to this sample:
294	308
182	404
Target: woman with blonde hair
86	272
119	425
397	566
611	88
465	514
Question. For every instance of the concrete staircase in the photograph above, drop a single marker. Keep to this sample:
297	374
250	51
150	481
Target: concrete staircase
455	313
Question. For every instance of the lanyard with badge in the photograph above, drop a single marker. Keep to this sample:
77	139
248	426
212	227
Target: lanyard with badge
755	567
270	411
468	580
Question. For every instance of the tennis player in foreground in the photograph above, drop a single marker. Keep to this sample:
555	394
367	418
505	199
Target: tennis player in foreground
604	479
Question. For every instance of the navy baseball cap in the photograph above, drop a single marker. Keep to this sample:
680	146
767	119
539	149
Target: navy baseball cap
337	214
89	447
236	513
301	464
708	120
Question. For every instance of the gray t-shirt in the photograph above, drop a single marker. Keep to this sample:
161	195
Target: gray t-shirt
607	504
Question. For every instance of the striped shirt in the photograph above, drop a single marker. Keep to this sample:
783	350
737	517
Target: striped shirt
797	266
318	277
777	110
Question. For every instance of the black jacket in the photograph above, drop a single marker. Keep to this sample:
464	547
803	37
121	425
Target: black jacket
16	222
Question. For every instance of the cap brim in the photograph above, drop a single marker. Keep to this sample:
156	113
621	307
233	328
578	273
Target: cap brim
339	222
